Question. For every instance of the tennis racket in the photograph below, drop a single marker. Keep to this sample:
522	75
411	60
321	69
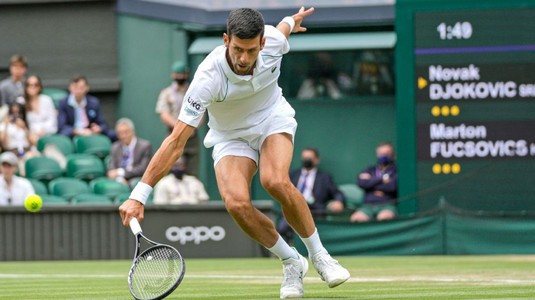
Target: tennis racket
157	271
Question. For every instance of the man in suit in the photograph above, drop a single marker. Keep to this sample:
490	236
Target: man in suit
380	185
129	155
79	113
318	189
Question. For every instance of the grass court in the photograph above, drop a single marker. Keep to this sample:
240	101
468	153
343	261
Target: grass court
401	277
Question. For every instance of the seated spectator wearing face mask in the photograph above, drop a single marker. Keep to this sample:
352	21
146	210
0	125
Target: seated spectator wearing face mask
179	188
379	183
318	189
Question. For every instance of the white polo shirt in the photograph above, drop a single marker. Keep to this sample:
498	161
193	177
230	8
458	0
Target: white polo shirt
236	103
20	189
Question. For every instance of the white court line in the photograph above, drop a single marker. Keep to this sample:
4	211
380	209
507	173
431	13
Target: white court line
266	277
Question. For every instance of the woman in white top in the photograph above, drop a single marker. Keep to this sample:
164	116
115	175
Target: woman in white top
40	111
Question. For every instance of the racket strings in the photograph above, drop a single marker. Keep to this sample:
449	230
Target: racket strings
157	271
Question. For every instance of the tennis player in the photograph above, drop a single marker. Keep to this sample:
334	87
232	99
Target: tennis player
252	128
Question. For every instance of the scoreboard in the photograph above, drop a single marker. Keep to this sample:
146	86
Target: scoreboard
466	103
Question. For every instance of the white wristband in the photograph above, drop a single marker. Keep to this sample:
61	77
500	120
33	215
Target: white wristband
290	21
141	192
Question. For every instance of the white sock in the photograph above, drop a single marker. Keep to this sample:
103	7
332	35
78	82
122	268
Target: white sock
313	243
282	250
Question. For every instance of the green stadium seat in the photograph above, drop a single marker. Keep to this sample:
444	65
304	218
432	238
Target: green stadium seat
67	187
38	186
63	143
108	187
106	161
91	199
53	200
84	166
56	94
354	195
96	144
42	168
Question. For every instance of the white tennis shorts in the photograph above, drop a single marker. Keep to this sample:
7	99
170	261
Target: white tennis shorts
247	142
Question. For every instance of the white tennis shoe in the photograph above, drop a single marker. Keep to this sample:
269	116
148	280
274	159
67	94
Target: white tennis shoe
329	269
294	270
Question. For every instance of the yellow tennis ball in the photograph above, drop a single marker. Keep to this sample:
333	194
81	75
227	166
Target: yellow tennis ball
33	203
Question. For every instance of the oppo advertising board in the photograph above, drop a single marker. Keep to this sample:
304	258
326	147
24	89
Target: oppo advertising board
203	230
474	103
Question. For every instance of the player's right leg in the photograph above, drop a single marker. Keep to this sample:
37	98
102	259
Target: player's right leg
234	175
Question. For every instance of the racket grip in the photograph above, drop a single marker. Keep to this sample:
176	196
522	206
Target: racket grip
134	226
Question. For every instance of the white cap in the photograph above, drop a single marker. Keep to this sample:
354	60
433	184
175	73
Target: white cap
9	157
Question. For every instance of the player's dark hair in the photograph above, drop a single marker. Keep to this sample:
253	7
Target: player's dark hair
245	23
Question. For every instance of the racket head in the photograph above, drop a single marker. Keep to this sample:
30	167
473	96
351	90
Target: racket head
156	272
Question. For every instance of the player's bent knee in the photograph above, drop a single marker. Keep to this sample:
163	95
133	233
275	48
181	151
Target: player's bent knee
238	208
275	185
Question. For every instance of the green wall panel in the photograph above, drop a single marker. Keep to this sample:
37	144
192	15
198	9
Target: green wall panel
147	49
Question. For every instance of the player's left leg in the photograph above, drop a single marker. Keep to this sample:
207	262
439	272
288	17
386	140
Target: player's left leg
234	175
275	159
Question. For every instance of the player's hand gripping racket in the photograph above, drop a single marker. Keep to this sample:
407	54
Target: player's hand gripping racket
157	271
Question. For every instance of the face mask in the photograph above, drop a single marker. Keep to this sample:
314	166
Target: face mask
308	164
179	173
384	160
180	81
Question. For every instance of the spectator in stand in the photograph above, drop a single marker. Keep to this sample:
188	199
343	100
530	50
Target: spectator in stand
13	87
179	188
79	113
320	82
13	189
41	114
15	135
168	107
130	155
318	189
379	183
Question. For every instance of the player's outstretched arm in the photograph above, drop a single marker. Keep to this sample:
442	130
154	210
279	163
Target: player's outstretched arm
293	23
170	150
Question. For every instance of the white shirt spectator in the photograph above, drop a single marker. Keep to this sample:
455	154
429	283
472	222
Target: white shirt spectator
170	190
19	189
45	118
17	137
